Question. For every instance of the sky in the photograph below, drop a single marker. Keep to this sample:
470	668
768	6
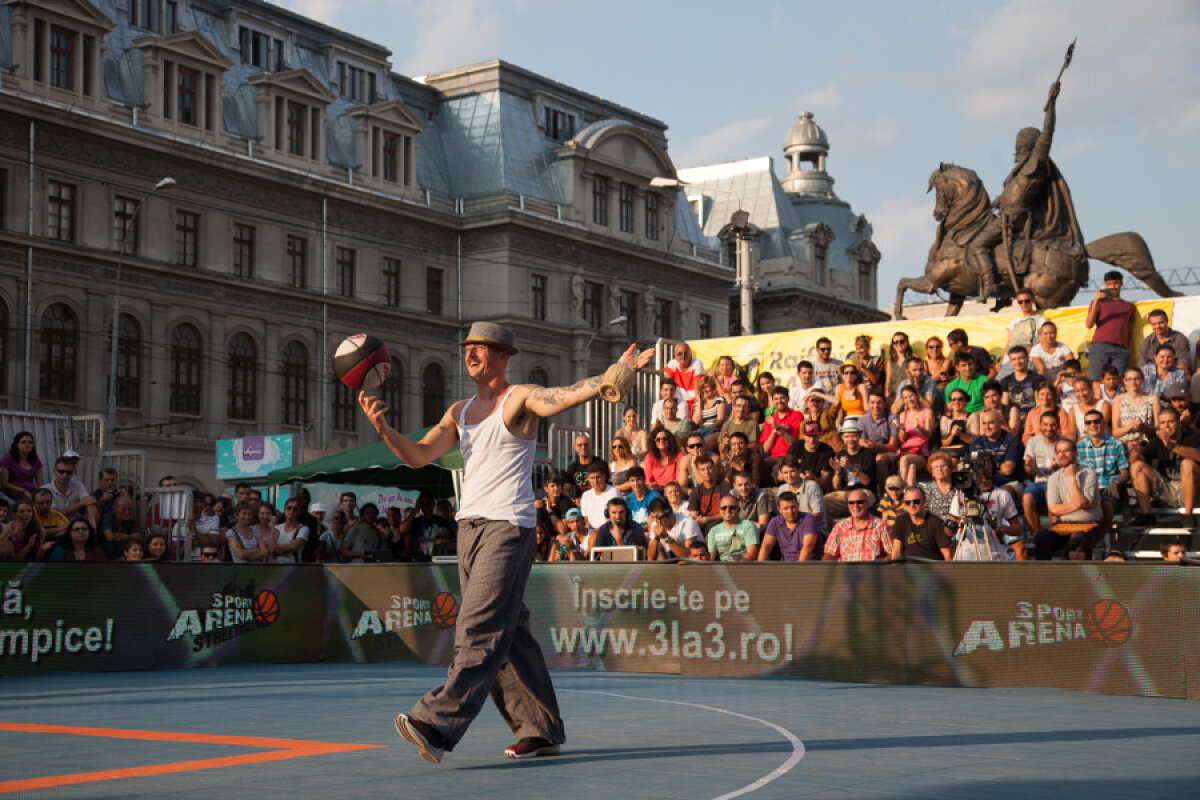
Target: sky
898	88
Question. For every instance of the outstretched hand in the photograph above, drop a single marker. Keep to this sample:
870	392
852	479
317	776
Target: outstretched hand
635	360
375	409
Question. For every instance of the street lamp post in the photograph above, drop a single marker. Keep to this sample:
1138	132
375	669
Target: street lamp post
740	226
111	416
612	323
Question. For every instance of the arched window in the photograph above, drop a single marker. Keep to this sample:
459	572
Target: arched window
243	377
390	394
129	363
187	355
60	354
433	394
293	364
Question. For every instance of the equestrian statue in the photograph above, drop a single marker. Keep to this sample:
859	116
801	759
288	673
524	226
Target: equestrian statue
1029	238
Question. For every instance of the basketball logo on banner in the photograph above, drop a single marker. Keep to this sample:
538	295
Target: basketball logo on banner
445	610
1108	622
266	607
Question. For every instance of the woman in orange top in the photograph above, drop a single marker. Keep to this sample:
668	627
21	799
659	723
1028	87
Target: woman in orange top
851	394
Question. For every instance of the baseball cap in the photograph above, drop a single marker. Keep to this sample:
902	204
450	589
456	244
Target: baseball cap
812	428
572	514
894	482
318	508
71	454
1177	391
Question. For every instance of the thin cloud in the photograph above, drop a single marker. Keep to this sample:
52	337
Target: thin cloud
323	11
452	33
726	143
904	229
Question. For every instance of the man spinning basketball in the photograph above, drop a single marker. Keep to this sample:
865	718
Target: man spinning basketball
494	651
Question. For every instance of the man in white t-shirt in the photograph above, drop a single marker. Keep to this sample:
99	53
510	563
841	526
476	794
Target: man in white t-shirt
1023	330
593	502
669	533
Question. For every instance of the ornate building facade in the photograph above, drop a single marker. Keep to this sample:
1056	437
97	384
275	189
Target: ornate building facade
316	194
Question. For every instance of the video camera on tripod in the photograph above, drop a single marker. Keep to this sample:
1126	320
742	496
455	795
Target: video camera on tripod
978	541
968	468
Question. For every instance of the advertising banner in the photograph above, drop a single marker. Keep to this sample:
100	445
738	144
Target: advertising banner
252	457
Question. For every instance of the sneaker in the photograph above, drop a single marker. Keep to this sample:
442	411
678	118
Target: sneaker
531	747
421	736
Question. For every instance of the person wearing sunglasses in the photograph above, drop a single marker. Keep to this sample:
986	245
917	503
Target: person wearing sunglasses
825	368
1023	330
1100	452
917	533
860	536
733	538
69	495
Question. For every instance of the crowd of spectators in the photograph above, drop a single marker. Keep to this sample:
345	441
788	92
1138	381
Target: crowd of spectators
869	457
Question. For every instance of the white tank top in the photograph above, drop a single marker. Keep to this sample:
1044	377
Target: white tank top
497	469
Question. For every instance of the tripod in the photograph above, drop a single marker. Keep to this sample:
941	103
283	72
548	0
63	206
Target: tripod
978	541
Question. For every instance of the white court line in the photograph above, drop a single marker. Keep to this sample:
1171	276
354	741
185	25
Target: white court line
778	772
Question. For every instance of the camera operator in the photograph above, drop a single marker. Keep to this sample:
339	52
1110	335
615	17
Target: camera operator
996	507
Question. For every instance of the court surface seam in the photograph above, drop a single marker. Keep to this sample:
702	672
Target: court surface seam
778	772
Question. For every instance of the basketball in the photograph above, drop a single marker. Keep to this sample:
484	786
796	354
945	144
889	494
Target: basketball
1108	622
266	607
362	362
445	610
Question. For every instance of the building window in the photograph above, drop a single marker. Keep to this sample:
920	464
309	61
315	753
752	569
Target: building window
293	367
297	115
662	319
62	58
125	232
256	48
392	395
706	324
187	233
243	376
186	88
297	261
866	282
600	200
390	150
345	271
629	310
537	297
60	354
625	208
821	262
593	303
129	363
243	250
187	357
60	211
155	15
652	216
344	407
391	282
560	125
356	83
433	290
433	394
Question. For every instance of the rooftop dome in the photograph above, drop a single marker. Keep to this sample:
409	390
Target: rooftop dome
806	135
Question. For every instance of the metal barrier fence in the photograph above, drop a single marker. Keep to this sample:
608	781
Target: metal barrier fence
129	464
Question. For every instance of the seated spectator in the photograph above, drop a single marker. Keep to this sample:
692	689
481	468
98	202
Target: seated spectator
1165	469
1085	403
859	537
201	529
1077	550
938	364
696	452
825	368
618	530
1004	447
956	424
809	497
1173	551
69	496
897	368
1110	384
1040	463
21	538
107	492
918	533
639	496
53	523
741	421
709	411
739	388
1134	412
685	370
667	390
780	429
132	549
1115	555
892	502
622	460
982	360
725	373
572	545
20	468
1073	501
1047	403
993	400
939	491
915	422
1023	330
156	547
870	365
594	501
670	532
1106	457
81	543
1065	384
881	435
290	535
1160	376
577	482
553	505
1020	386
361	538
968	381
664	461
923	385
740	456
999	513
1180	399
674	495
678	426
244	538
796	535
825	415
754	505
732	539
634	434
813	457
765	386
1160	334
705	498
850	393
1049	355
853	469
545	541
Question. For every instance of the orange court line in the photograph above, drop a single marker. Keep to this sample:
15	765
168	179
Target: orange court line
280	749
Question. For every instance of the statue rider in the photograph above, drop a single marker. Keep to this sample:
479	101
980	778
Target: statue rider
1034	205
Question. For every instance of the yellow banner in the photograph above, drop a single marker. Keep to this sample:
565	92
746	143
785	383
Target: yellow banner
778	353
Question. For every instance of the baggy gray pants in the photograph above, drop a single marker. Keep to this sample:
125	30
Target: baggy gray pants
494	651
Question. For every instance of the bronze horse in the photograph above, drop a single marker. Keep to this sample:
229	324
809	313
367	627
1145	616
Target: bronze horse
1053	269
